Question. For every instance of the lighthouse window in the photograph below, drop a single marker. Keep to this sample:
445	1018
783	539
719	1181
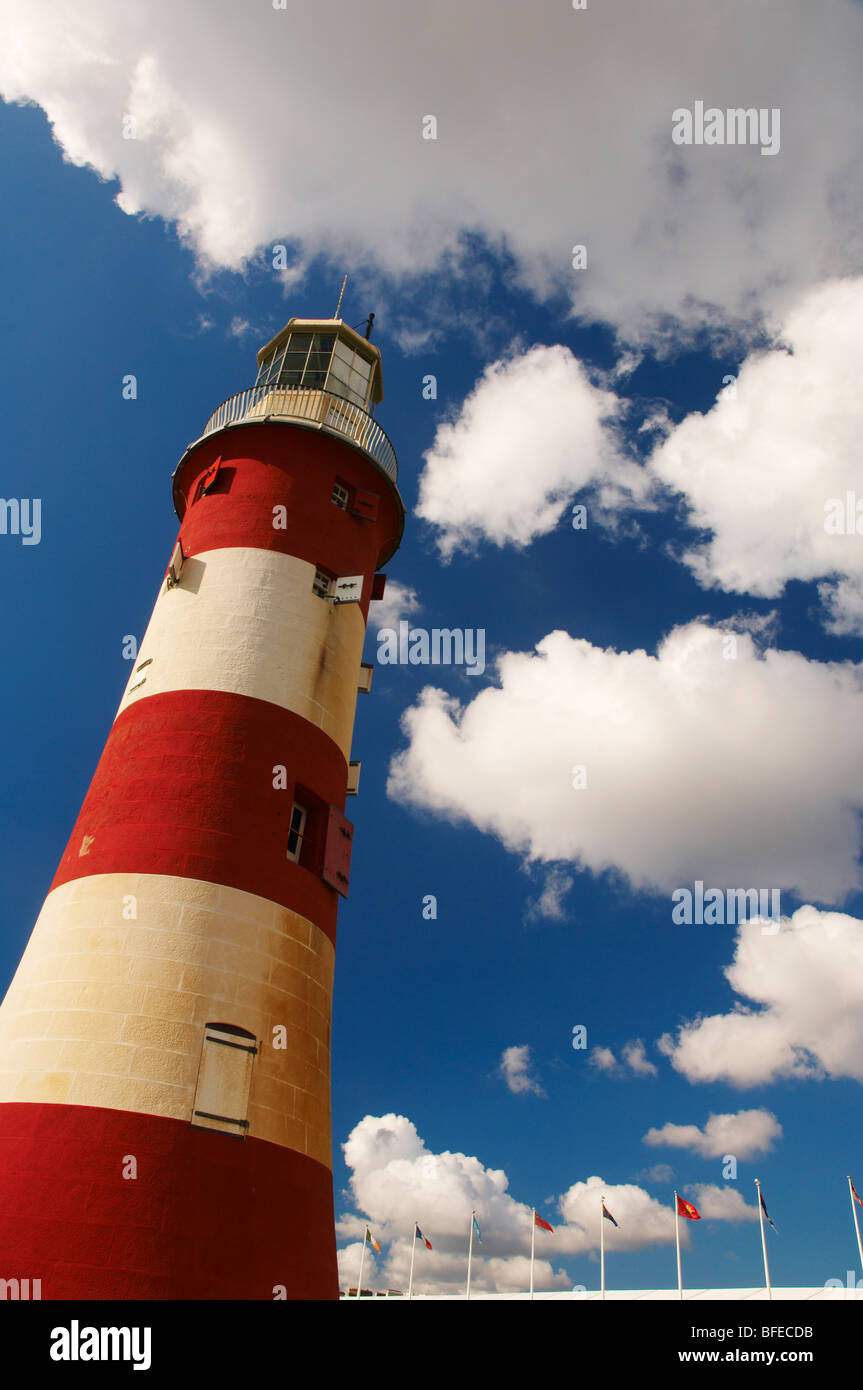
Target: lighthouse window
224	1079
295	834
322	584
341	495
349	374
318	361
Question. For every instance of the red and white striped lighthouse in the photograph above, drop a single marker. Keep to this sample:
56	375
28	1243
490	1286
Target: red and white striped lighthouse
165	1042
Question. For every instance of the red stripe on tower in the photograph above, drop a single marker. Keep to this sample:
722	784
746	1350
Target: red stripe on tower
164	1092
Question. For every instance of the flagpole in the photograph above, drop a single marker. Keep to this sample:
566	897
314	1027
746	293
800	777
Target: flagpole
470	1251
856	1222
413	1251
532	1245
677	1240
763	1241
362	1258
602	1246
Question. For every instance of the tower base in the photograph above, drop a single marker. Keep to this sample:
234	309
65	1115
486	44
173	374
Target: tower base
208	1216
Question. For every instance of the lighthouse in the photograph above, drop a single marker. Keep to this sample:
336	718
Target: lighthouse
165	1042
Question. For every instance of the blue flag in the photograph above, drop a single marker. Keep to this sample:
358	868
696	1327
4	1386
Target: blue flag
476	1228
764	1209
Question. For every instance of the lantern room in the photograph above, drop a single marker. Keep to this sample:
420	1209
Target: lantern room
323	355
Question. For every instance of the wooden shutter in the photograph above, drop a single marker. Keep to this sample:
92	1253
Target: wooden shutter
365	504
212	473
336	868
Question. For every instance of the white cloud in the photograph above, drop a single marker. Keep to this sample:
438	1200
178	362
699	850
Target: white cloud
351	1258
765	474
634	1060
635	1057
603	1059
805	1015
772	735
760	469
842	601
571	109
516	1065
240	327
743	1134
721	1203
398	602
550	905
642	1220
396	1181
533	432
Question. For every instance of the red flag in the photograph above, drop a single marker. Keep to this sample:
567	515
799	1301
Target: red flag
855	1194
538	1221
687	1209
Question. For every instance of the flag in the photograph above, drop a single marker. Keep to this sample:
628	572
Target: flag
687	1209
764	1208
608	1216
370	1240
426	1243
543	1225
855	1194
476	1228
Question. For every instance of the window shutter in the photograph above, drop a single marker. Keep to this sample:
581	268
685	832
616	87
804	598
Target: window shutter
336	868
224	1079
210	476
348	588
379	583
365	504
175	568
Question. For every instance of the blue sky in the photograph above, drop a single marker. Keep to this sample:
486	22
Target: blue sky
425	1010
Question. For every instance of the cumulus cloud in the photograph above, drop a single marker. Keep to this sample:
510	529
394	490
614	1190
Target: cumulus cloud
736	772
396	1180
642	1221
721	1203
635	1057
769	476
634	1060
767	472
351	1257
743	1134
516	1066
603	1059
804	1017
398	602
534	432
703	233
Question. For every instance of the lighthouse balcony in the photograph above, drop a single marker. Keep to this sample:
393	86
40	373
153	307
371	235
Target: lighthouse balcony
317	409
